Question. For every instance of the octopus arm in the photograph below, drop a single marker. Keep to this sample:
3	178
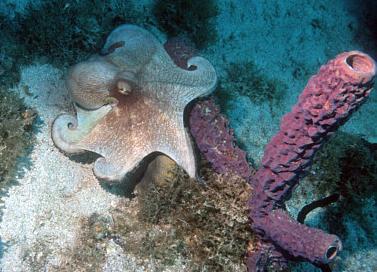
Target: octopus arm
68	131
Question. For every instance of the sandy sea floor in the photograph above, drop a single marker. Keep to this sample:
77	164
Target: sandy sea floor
42	213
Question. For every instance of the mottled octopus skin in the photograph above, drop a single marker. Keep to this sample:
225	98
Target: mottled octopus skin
209	128
130	104
327	101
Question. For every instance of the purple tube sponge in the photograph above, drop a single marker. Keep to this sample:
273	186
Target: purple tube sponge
209	128
327	101
216	141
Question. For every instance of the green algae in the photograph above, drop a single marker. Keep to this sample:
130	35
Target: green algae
59	32
188	17
204	228
347	166
246	79
16	135
211	221
68	31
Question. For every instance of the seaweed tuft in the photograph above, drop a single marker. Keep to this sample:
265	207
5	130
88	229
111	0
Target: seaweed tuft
347	166
246	79
66	31
16	135
174	221
211	220
188	17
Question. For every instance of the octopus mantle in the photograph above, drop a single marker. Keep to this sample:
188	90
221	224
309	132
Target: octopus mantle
130	103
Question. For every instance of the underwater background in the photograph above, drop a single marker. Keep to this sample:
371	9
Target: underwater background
56	216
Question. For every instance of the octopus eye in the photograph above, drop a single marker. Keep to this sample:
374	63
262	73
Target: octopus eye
124	87
112	48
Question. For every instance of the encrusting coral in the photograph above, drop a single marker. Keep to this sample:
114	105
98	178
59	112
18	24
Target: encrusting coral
130	104
327	101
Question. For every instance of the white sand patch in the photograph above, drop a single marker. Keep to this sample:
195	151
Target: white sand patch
52	196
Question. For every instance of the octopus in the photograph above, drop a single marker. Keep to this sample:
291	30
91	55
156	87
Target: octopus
130	105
